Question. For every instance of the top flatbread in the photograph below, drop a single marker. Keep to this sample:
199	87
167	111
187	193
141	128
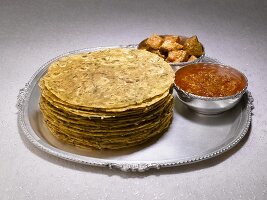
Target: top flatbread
109	79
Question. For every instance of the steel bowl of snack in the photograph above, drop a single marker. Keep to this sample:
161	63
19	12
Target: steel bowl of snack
209	88
176	50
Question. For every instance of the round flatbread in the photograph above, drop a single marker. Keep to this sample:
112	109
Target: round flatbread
109	79
110	99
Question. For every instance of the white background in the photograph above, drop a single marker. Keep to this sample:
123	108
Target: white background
33	32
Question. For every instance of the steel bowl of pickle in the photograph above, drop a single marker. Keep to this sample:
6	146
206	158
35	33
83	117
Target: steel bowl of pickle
209	88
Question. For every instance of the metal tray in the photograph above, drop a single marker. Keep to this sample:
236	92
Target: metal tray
192	137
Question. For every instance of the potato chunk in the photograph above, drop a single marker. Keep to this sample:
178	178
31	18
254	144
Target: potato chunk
193	46
192	58
158	53
169	45
177	56
154	41
172	38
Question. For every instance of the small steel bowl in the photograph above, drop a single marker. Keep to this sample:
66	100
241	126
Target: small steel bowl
173	64
210	105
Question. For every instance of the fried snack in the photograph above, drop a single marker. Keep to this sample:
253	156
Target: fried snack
193	46
177	56
192	58
159	53
167	46
170	45
172	38
110	99
154	41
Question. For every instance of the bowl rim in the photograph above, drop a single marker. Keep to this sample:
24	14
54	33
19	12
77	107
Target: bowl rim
180	63
194	96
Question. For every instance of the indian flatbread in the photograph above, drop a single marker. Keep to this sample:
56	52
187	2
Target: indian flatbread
110	99
114	78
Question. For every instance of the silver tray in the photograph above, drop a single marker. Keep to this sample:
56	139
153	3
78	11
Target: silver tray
192	137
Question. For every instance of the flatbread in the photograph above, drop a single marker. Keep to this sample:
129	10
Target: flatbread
108	79
110	99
